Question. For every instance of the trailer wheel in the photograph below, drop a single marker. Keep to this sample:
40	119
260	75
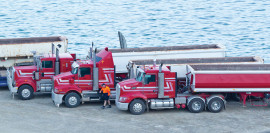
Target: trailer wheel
72	100
215	105
137	107
196	105
25	92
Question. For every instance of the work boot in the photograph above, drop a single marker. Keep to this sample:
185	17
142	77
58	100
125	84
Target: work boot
109	106
102	107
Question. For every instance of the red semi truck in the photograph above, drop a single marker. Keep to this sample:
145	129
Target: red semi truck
25	80
157	87
85	79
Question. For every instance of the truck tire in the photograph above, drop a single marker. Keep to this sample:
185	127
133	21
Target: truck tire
137	107
25	92
215	105
72	100
196	105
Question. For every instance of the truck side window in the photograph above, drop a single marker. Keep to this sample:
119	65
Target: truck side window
150	78
84	71
47	64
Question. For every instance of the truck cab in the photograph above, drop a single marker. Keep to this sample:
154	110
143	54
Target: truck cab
25	80
82	84
153	86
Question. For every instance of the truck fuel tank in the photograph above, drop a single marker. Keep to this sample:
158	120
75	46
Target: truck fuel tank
161	103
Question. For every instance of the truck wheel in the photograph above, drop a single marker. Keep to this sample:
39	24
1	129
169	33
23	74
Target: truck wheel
196	105
25	92
72	100
215	105
137	107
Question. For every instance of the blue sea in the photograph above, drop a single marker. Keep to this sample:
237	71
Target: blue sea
243	26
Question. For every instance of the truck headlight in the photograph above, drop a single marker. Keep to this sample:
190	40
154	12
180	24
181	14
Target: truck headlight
122	99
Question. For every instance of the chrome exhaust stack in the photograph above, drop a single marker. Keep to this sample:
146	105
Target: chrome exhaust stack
160	82
95	72
57	63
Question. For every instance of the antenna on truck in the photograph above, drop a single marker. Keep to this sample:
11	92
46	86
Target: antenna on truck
122	40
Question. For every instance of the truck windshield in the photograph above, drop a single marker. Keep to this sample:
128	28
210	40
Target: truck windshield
139	76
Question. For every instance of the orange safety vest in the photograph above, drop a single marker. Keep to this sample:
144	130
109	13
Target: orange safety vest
106	90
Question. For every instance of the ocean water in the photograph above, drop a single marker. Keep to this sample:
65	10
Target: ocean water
243	26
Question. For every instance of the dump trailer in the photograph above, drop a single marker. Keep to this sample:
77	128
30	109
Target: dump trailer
20	51
179	65
156	88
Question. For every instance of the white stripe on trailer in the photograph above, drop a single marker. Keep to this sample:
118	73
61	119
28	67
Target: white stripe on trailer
231	90
232	72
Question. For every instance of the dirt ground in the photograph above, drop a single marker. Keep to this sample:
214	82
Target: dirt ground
40	115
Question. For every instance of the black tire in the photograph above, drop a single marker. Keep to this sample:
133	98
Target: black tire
137	107
196	105
215	105
72	100
26	92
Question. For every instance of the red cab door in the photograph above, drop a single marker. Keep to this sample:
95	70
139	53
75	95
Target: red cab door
84	80
150	86
47	71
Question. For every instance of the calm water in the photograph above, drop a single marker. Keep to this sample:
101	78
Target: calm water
243	26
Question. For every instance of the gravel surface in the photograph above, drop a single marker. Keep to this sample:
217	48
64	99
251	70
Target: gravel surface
40	115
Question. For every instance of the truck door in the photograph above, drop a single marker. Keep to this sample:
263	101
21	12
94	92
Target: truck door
150	85
84	81
47	69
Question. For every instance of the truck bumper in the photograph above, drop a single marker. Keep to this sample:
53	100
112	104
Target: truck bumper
57	98
10	86
121	106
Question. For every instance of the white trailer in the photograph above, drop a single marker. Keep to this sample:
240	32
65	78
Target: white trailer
19	51
122	56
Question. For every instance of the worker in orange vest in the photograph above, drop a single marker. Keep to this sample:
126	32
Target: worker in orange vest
106	95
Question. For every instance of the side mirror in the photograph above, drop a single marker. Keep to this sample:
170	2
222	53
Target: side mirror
42	74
